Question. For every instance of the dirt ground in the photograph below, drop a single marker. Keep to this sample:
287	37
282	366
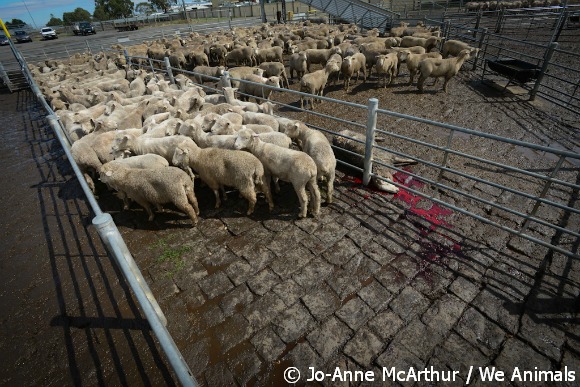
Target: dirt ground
376	280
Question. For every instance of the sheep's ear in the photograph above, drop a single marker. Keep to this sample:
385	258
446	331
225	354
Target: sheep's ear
254	135
109	173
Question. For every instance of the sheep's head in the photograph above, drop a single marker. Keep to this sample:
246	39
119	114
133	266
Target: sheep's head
121	143
244	139
180	158
293	131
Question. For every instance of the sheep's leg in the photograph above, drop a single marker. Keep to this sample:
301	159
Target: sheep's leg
183	204
265	188
330	187
218	202
224	193
420	82
411	76
315	196
303	198
445	83
301	102
249	193
192	199
147	208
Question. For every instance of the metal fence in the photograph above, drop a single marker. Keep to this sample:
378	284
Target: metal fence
116	246
542	37
460	168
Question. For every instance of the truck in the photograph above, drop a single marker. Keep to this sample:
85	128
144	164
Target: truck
125	26
83	28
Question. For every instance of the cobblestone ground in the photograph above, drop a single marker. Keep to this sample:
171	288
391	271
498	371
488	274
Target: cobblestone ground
377	281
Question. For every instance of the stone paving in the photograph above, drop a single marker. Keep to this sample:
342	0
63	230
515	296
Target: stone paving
369	285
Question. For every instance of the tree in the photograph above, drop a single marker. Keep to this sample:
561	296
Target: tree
79	14
54	21
144	8
15	23
113	9
162	5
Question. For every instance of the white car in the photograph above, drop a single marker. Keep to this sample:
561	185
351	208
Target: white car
48	33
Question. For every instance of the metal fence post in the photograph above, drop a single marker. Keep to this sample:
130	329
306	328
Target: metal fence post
370	139
447	147
542	194
168	68
152	68
559	26
545	64
477	22
479	45
88	47
127	58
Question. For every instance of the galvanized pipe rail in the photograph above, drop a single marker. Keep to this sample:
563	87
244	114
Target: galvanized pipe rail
114	241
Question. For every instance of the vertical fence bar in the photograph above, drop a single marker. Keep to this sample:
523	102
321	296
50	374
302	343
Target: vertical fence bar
152	68
547	57
370	139
477	22
168	68
542	195
479	45
560	25
127	58
446	149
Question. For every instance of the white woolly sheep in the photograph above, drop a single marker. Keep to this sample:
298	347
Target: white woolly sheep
224	167
164	146
435	68
264	107
320	56
261	119
315	82
248	89
275	69
454	47
206	73
413	60
387	67
153	186
298	63
353	65
428	44
286	164
316	145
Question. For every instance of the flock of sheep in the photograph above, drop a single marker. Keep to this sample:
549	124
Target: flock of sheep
148	138
473	6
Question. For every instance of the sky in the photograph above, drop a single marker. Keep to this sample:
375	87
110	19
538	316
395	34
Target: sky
36	13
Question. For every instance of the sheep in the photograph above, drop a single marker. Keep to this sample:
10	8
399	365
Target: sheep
153	186
272	54
428	43
454	47
435	68
353	65
387	66
205	140
316	145
240	73
165	128
224	167
229	128
320	56
275	69
298	63
413	61
93	150
248	89
206	73
351	150
241	56
265	107
261	119
315	82
148	161
286	164
164	146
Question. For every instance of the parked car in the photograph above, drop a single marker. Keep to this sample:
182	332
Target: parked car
48	33
83	28
21	36
3	40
